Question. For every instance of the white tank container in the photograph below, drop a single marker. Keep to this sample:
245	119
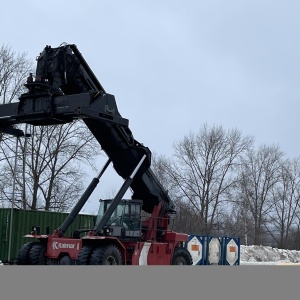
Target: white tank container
194	246
232	252
214	251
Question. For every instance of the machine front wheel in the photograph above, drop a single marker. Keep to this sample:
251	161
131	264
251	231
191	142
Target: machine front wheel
182	256
106	255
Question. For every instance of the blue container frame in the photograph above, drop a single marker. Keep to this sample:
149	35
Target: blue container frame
224	240
201	239
238	243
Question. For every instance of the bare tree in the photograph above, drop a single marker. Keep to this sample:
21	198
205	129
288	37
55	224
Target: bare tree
237	219
186	218
259	174
50	170
286	198
14	68
201	172
294	235
50	165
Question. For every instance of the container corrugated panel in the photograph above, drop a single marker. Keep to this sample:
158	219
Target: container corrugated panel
23	220
4	233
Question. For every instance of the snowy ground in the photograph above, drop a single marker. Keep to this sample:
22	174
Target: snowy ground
264	255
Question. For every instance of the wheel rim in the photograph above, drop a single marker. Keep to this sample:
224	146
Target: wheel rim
111	261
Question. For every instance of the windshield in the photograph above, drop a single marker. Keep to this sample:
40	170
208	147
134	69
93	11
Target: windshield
117	216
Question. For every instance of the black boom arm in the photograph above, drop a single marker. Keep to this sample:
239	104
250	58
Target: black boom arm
65	89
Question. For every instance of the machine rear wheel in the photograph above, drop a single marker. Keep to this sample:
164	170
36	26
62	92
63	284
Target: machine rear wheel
36	254
23	254
84	255
106	255
182	256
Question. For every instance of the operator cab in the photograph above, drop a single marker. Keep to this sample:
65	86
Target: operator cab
125	222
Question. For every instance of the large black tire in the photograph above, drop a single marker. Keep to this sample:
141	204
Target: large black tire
182	256
36	254
106	255
23	253
84	255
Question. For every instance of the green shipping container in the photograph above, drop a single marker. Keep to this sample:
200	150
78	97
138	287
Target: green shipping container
22	222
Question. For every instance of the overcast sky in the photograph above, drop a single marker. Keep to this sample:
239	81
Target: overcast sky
174	65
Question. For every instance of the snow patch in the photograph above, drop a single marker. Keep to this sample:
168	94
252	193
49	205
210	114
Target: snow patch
267	254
